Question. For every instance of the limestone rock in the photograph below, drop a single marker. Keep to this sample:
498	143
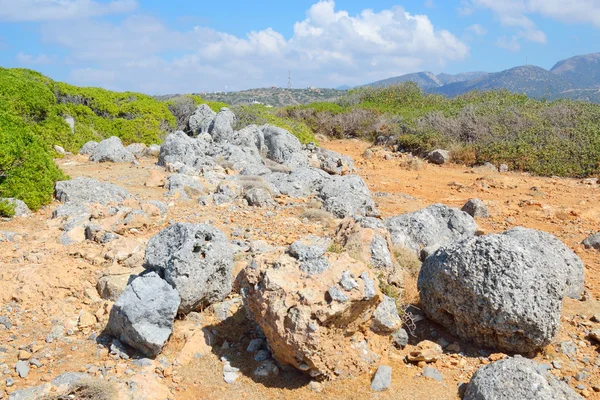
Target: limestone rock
89	191
517	378
222	127
202	119
283	147
143	315
439	157
304	325
21	209
346	196
88	148
476	208
196	259
111	150
382	379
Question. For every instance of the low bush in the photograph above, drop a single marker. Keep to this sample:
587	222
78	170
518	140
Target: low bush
7	209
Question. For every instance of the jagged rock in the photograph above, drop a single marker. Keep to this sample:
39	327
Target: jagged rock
311	255
502	291
334	163
88	148
137	149
385	318
368	243
382	379
239	158
89	191
439	157
283	147
432	373
476	208
201	120
110	287
259	197
250	136
21	209
303	324
430	227
180	148
143	315
400	338
185	186
517	378
426	351
301	183
346	196
111	150
592	242
221	129
196	259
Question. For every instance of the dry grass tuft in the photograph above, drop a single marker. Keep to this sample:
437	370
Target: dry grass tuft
412	163
316	215
88	389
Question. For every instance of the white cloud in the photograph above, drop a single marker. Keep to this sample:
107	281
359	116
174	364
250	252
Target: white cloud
52	10
328	48
28	59
514	14
478	30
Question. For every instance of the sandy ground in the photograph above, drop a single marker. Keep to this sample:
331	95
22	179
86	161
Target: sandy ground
44	284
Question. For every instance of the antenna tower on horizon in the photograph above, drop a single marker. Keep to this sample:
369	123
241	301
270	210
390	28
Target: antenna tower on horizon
289	79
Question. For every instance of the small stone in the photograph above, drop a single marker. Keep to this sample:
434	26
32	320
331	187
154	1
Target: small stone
382	379
595	318
347	282
315	386
35	362
556	364
267	368
255	345
430	372
9	382
453	348
385	317
262	355
337	295
24	355
400	338
426	351
580	376
568	348
22	368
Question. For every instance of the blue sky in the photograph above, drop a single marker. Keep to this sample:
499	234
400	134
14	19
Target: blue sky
178	46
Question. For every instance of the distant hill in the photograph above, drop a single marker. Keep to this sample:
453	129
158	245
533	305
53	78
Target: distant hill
530	80
276	97
582	71
576	78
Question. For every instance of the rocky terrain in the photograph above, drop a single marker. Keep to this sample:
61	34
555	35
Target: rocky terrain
242	264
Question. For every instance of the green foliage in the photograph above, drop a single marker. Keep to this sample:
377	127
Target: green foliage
6	209
216	105
27	170
546	138
261	115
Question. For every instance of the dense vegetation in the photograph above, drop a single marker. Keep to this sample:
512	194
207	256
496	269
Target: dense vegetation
546	138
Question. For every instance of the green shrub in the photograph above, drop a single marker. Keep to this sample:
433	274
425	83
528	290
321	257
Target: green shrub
6	209
27	170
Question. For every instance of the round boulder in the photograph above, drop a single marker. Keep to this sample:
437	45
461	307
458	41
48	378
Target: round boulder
497	290
517	378
111	150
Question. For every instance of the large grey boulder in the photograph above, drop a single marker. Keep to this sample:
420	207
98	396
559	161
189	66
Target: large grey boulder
196	259
259	197
111	150
137	149
498	290
143	315
21	209
439	157
430	228
517	378
592	242
180	148
202	119
555	253
222	126
89	191
301	183
346	196
88	148
250	136
237	157
283	147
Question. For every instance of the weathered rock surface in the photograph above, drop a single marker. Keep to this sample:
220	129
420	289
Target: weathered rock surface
517	378
439	157
137	149
283	147
308	319
250	136
222	127
89	191
196	259
111	150
302	182
88	148
498	290
347	196
202	119
382	379
385	318
143	315
184	186
592	242
180	148
334	163
430	227
259	197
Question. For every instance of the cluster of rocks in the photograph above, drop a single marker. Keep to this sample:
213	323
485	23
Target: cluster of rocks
112	150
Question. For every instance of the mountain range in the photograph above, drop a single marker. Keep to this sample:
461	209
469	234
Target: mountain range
576	78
